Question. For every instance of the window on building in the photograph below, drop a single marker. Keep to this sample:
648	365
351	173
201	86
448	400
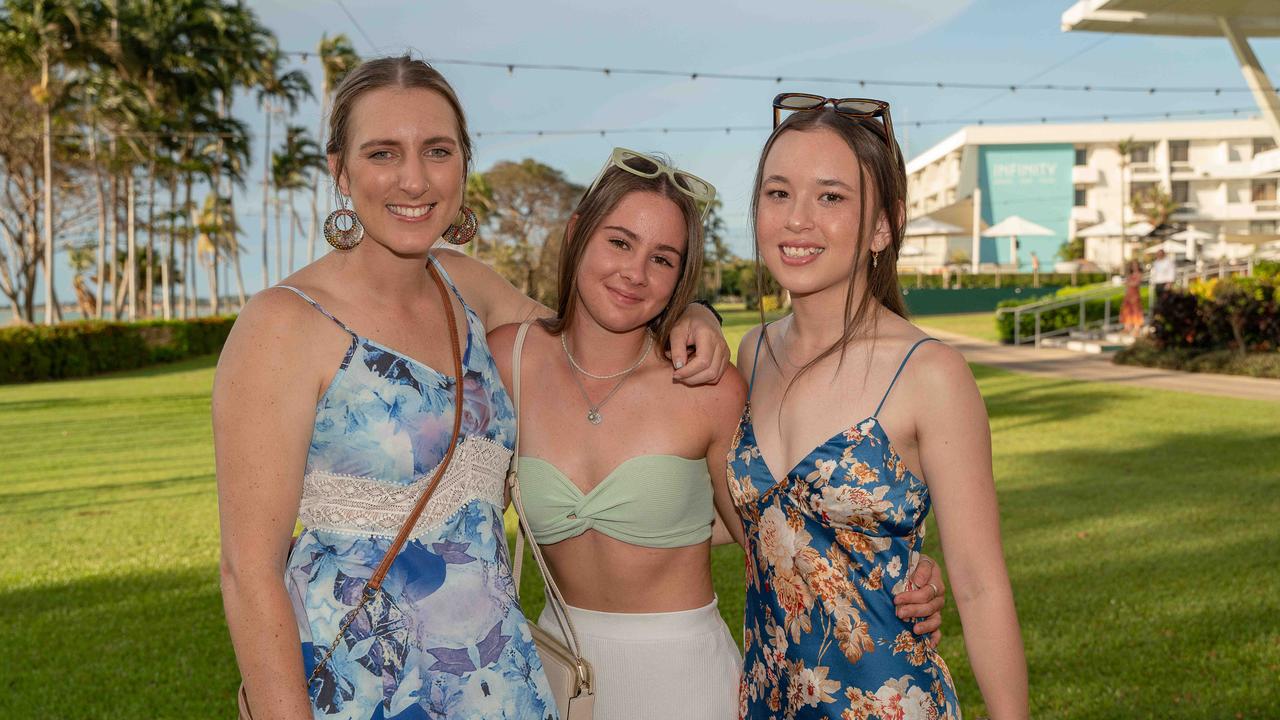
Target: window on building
1179	152
1082	156
1264	190
1181	192
1082	197
1140	155
1263	144
1263	227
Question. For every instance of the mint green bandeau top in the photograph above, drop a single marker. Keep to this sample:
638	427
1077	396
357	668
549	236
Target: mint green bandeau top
658	501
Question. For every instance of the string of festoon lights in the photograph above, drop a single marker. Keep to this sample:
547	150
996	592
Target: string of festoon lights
861	82
730	129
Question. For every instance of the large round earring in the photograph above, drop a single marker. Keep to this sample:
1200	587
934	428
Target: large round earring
463	230
336	236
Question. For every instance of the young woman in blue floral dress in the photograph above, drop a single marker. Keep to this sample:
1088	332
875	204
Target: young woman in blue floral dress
329	408
855	426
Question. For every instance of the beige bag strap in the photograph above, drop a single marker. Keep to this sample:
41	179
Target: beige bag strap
554	599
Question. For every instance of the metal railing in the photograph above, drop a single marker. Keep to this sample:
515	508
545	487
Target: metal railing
1183	278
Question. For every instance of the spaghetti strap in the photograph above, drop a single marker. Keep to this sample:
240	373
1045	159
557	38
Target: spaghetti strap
449	281
756	362
317	306
901	366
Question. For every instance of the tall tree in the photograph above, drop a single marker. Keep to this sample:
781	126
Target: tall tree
337	58
715	251
531	204
1125	147
300	162
44	33
1156	205
277	88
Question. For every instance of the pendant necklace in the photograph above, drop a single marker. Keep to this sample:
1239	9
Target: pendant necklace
593	411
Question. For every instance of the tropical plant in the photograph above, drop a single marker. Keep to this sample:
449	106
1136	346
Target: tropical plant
1154	204
277	89
43	35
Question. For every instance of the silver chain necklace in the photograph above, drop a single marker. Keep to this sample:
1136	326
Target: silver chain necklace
648	343
593	411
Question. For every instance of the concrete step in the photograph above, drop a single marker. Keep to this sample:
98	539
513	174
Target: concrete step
1109	337
1092	347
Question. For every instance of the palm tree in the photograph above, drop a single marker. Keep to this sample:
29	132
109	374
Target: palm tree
275	85
1126	149
297	161
337	58
45	33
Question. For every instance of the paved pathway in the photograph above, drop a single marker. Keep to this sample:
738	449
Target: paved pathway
1099	368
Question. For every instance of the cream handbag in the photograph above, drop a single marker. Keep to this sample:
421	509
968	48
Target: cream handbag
567	671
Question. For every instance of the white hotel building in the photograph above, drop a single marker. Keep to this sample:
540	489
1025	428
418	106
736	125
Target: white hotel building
1066	178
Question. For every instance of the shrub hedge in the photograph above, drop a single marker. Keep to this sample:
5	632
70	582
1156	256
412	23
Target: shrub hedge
1241	314
89	347
1059	318
988	280
1229	325
1148	353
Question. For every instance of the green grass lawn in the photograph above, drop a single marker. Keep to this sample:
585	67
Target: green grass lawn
1140	528
976	325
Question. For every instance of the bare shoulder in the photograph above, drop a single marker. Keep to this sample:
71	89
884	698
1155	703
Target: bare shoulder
939	378
271	321
464	269
717	405
940	366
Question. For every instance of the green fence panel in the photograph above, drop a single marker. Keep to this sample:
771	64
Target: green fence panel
936	301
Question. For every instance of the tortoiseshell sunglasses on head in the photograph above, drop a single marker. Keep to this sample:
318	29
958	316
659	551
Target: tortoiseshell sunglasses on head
851	107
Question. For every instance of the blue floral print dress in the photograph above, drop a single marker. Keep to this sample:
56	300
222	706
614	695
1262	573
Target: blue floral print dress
827	546
446	637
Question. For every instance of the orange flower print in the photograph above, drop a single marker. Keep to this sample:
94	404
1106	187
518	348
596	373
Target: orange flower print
853	637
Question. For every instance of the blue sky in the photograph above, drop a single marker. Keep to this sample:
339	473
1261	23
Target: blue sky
997	41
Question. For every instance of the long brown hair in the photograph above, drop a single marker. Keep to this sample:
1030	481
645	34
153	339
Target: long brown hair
883	190
402	72
591	211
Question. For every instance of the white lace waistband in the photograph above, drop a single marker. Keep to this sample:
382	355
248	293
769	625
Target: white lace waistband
350	504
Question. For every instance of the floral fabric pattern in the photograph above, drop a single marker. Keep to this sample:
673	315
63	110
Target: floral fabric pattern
445	636
827	546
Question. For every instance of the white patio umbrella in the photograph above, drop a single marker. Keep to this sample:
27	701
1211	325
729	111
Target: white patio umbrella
1193	235
910	251
1171	247
1111	228
926	225
1193	238
1013	227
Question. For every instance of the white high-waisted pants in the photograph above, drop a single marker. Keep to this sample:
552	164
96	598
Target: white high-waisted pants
665	666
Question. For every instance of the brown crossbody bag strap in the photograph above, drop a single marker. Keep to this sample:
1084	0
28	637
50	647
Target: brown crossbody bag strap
374	584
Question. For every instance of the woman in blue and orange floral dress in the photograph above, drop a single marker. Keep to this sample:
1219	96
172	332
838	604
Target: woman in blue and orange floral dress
855	426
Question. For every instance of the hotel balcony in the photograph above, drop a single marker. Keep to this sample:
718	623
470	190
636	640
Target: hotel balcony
1085	215
1084	175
